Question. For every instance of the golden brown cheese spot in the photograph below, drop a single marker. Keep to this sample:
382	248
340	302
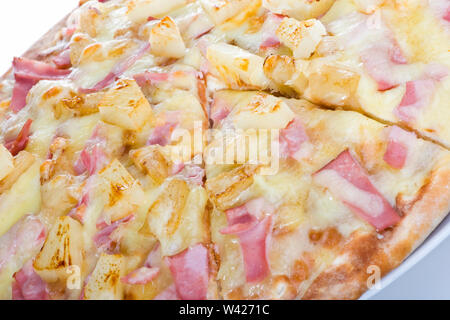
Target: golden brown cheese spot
329	237
53	92
300	271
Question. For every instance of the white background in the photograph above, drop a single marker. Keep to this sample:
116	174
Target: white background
24	21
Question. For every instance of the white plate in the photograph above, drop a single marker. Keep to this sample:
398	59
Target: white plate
433	240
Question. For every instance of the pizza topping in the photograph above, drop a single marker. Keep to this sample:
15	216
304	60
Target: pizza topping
190	270
152	78
380	61
21	141
302	37
219	109
397	148
347	180
165	39
24	238
92	158
142	275
252	223
417	95
292	137
28	285
102	239
170	293
62	61
193	173
162	134
270	38
27	73
118	69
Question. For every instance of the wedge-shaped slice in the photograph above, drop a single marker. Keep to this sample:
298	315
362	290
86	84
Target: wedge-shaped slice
344	182
124	193
139	10
62	250
6	162
165	39
125	105
302	37
236	67
299	9
177	217
104	283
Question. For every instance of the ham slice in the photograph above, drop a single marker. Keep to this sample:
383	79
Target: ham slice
25	238
142	275
193	174
252	225
162	134
380	60
21	141
27	73
399	141
219	110
147	77
62	60
92	158
418	94
268	30
291	138
190	271
348	181
102	239
170	293
118	69
28	285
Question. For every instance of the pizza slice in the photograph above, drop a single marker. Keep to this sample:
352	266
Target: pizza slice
350	194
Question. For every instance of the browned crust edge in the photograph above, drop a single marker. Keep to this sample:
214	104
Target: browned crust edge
348	275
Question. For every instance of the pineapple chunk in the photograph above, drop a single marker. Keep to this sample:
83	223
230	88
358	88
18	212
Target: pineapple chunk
104	283
299	9
302	37
165	39
237	67
222	10
151	159
124	193
6	162
62	249
263	112
13	203
177	217
139	10
278	68
333	85
126	106
231	188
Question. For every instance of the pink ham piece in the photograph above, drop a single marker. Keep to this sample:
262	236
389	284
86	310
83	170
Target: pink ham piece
142	275
348	181
253	227
102	239
21	141
268	30
418	94
151	78
118	69
170	293
219	110
399	141
92	158
27	73
162	134
28	285
292	137
193	173
23	239
62	60
190	271
380	60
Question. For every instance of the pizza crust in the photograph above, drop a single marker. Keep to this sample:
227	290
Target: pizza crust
347	277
